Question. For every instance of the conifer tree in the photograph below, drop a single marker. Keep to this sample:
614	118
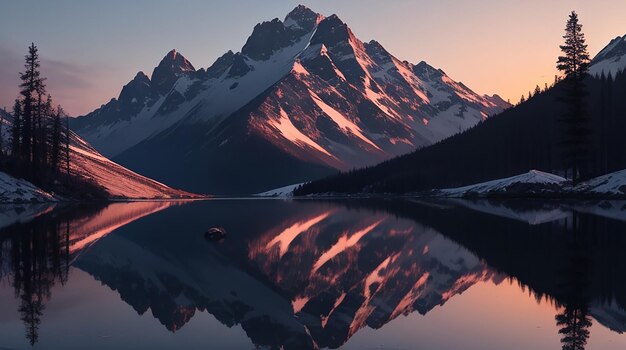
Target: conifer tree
32	87
574	65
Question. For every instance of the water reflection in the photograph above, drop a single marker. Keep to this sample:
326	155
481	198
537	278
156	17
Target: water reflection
309	274
38	242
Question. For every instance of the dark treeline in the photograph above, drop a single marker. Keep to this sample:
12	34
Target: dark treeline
528	136
36	145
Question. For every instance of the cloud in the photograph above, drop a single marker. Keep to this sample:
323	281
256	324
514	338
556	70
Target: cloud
73	85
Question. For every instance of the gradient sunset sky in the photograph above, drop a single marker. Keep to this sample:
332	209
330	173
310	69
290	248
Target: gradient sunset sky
90	49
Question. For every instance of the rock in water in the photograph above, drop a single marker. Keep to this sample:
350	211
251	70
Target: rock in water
215	234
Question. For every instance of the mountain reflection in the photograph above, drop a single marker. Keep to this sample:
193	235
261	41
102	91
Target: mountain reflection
311	274
352	269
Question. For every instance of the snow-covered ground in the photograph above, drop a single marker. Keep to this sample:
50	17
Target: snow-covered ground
613	184
531	181
286	191
13	190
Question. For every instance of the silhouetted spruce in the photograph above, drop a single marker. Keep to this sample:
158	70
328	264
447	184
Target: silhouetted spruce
576	133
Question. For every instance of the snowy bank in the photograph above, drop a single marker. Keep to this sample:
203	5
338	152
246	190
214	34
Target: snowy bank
13	190
286	191
532	182
613	184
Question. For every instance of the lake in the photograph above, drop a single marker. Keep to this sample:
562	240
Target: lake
310	274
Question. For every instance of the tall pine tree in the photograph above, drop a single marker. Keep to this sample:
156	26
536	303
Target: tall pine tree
574	64
32	88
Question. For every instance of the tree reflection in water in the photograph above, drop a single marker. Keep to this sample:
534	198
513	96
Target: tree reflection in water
34	257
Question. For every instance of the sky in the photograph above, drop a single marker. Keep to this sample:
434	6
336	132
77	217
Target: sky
90	49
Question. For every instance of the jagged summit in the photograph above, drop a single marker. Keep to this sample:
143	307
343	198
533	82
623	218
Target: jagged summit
171	67
136	90
302	17
266	38
332	31
142	77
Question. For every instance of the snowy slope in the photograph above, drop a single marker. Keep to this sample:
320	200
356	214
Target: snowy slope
118	181
613	184
305	88
286	191
88	163
14	190
531	181
611	60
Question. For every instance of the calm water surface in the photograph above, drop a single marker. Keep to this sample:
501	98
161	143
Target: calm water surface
357	274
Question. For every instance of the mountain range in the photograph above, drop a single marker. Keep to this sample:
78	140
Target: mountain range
528	136
304	98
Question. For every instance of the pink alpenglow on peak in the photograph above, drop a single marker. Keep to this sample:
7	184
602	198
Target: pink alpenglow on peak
307	91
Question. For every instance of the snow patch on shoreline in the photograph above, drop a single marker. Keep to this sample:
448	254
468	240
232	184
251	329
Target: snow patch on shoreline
286	191
533	177
13	190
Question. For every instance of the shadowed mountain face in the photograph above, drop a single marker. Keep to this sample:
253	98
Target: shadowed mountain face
304	98
308	275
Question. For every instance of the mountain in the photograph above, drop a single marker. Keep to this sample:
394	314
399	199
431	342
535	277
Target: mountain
303	98
528	136
611	60
118	182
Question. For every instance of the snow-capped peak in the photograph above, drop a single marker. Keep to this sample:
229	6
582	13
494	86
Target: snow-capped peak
332	31
611	60
303	18
311	88
171	67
